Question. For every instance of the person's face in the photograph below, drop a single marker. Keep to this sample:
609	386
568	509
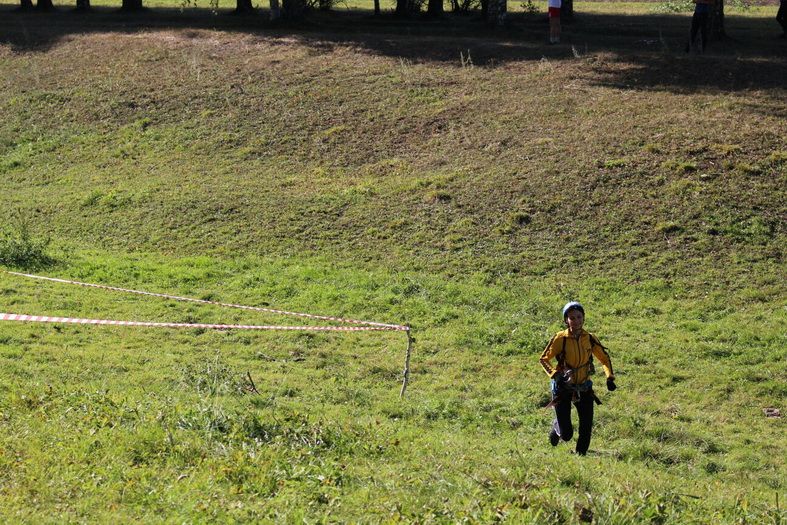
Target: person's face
575	319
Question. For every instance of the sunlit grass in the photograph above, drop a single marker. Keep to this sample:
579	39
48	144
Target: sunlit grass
463	181
171	411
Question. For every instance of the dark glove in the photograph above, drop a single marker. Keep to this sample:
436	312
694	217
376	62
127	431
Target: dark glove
611	384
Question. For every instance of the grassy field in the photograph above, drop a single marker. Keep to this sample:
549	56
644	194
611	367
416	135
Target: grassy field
437	173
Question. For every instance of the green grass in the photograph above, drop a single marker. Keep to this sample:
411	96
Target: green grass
101	423
362	168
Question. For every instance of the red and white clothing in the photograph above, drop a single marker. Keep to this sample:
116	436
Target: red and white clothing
554	8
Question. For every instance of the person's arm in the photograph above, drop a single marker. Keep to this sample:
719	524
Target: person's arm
603	356
547	355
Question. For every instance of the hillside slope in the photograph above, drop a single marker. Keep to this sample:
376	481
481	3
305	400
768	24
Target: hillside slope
463	181
195	141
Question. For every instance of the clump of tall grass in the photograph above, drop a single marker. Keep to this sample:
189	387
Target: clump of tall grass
214	377
19	248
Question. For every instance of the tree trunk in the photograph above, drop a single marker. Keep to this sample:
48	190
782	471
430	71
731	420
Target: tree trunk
243	6
83	5
401	7
435	8
275	11
377	7
44	5
293	9
131	5
567	10
496	12
716	29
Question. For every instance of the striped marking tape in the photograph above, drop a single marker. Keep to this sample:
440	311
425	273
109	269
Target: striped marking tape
71	320
378	326
369	326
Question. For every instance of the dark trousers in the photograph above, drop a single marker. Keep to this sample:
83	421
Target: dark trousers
563	425
781	16
699	24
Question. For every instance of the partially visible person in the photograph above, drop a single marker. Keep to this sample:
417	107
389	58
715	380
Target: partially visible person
699	24
553	7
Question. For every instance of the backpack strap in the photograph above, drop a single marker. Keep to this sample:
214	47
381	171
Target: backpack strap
561	357
594	341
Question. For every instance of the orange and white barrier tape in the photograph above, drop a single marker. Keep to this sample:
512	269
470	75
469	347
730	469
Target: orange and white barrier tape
384	326
365	326
111	322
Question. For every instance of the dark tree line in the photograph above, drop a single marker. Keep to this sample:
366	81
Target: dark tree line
81	5
493	11
297	8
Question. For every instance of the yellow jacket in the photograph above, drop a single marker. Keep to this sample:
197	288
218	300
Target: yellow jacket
576	354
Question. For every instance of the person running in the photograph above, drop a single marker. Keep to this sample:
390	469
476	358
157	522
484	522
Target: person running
573	349
553	7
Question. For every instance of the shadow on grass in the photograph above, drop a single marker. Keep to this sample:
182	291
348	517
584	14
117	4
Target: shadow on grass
642	52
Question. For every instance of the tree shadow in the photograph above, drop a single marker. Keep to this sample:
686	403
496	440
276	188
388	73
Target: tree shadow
641	52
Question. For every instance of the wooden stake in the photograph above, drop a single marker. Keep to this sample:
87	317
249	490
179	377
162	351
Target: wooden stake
252	386
407	363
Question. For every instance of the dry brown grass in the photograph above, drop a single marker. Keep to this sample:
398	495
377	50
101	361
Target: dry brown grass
384	144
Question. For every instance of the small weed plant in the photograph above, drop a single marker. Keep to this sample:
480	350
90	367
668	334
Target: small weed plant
20	249
213	377
465	6
674	6
530	8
